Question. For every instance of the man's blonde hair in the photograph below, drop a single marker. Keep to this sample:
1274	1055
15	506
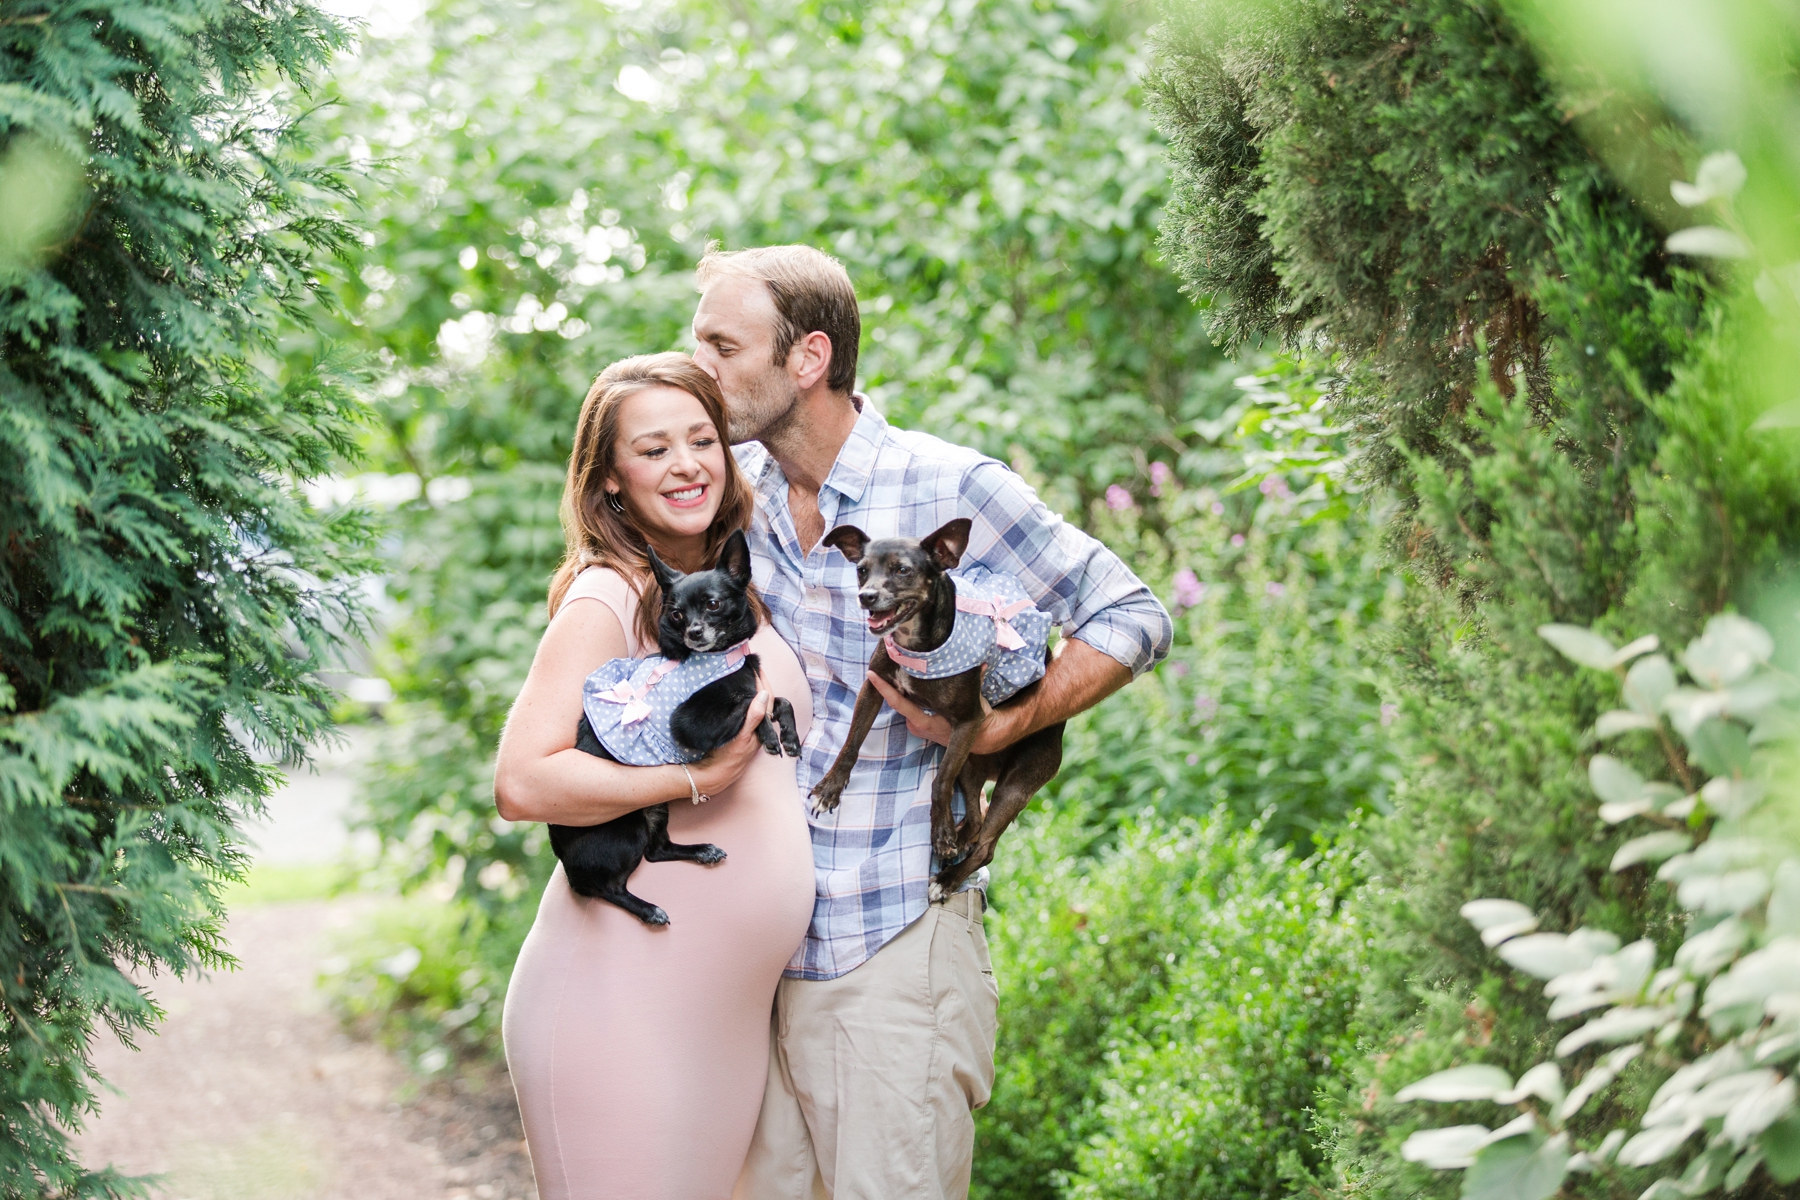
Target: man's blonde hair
812	293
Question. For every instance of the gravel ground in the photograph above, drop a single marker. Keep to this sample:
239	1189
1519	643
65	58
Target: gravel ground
251	1090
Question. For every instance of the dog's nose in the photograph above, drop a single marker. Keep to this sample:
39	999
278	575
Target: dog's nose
866	597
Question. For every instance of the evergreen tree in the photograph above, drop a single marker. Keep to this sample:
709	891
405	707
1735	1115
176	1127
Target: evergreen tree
167	595
1561	407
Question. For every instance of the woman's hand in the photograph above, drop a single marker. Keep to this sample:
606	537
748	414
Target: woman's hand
720	769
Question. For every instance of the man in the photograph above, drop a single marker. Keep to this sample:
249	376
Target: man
883	1033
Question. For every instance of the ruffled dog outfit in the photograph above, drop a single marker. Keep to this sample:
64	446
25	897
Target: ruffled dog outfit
997	623
630	701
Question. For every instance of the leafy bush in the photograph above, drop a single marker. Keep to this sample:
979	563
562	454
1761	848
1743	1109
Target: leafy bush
1720	1025
1115	971
427	974
1568	411
1210	1091
167	595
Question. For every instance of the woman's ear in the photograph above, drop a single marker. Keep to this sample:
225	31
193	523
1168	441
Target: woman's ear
734	557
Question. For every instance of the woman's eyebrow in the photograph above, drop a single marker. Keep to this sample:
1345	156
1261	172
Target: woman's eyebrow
650	433
699	425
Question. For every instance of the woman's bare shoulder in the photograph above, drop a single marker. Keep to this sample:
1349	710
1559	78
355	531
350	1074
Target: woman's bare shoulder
606	584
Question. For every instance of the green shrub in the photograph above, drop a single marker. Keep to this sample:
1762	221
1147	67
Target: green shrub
168	597
1210	1094
1567	412
1158	970
1718	1027
427	974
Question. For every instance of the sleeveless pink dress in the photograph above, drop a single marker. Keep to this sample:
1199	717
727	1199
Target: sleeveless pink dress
639	1054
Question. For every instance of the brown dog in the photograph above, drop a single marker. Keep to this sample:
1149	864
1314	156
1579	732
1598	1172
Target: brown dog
905	587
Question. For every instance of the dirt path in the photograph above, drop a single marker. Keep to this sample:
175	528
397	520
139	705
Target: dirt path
251	1090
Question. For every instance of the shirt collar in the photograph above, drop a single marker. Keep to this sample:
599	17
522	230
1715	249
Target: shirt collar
855	464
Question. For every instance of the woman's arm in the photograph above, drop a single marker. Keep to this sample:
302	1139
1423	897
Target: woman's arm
540	776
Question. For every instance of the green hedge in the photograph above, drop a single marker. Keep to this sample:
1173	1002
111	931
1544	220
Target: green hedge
1167	1007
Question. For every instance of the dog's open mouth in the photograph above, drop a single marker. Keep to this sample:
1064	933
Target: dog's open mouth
881	622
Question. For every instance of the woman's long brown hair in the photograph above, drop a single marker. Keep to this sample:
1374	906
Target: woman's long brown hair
596	536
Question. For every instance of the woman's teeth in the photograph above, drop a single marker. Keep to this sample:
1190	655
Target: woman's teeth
686	494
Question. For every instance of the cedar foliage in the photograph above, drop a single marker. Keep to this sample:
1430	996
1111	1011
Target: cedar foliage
1556	401
167	595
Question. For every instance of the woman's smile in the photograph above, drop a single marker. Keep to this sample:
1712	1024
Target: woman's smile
691	496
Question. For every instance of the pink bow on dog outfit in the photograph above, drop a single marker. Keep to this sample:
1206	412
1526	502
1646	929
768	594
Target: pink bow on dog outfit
633	697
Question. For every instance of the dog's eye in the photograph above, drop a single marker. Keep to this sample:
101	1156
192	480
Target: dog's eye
712	605
677	617
903	569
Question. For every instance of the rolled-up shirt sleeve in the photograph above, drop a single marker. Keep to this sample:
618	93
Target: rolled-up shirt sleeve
1086	588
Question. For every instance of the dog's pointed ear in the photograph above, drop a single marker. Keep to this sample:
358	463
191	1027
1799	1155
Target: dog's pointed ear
946	545
850	541
666	576
734	557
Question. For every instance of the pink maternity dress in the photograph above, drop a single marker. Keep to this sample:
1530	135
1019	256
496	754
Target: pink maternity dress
639	1054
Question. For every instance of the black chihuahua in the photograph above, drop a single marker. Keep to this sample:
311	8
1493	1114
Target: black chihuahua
904	586
708	611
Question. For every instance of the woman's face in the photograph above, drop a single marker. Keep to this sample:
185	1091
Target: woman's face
668	466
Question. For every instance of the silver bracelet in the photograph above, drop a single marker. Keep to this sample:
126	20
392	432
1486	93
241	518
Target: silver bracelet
694	792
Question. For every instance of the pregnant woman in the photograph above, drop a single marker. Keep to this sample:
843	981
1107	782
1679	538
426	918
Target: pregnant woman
639	1053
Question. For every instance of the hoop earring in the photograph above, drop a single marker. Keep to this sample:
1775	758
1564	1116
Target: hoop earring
613	502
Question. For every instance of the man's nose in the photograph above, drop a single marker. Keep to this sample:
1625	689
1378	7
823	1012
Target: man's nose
703	358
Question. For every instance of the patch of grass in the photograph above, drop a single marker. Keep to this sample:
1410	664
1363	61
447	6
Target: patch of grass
271	884
274	1163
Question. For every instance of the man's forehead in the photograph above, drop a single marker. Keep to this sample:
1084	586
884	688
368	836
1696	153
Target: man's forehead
736	304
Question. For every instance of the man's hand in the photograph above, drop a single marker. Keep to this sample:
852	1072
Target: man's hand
1004	727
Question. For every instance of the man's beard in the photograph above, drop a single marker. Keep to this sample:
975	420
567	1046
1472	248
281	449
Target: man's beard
763	409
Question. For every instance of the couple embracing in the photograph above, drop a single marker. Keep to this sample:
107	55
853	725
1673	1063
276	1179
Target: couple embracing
809	1024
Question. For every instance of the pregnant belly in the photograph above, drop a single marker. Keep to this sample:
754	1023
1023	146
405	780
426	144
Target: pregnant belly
764	888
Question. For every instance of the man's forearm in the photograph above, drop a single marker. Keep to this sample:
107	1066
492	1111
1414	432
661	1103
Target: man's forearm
1077	678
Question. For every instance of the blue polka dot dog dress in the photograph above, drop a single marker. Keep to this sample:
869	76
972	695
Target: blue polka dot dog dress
629	702
996	624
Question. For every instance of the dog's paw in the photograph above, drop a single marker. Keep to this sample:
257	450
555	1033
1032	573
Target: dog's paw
947	846
935	893
825	796
656	916
710	856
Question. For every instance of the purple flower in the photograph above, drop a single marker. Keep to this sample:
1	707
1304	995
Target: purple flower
1205	705
1180	669
1117	498
1159	475
1218	508
1189	591
1237	539
1275	589
1193	760
1389	713
1276	486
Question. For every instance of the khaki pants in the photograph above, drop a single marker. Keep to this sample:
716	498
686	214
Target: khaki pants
874	1076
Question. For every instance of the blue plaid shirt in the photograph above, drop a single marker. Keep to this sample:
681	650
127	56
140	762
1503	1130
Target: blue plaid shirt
872	856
